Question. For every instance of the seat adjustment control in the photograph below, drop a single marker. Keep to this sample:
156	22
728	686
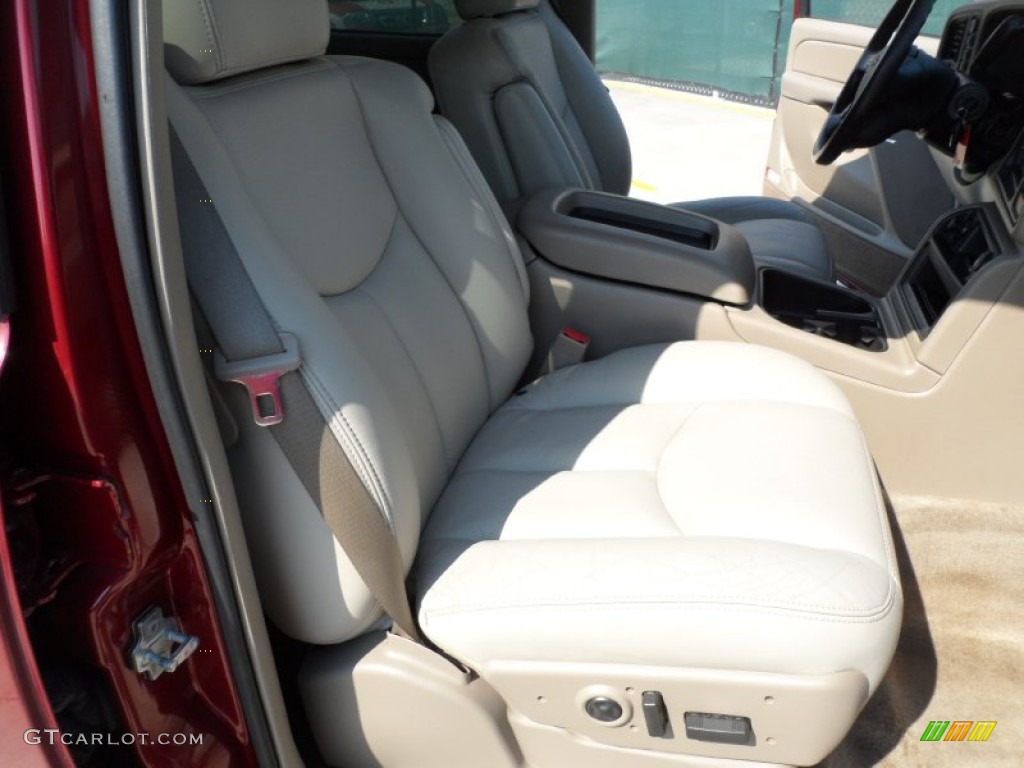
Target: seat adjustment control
719	729
604	709
656	715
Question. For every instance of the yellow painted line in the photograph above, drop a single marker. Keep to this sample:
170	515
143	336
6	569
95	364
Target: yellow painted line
644	186
691	98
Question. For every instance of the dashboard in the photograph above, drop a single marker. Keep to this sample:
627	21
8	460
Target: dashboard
984	41
971	250
971	26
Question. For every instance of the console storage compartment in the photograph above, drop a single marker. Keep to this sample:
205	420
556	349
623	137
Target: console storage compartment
822	309
960	246
631	241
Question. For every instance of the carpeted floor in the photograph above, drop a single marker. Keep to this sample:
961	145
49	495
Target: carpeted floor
961	654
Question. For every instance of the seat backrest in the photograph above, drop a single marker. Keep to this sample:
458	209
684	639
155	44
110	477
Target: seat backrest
370	235
528	102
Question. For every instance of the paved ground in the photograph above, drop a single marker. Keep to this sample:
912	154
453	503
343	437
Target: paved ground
689	147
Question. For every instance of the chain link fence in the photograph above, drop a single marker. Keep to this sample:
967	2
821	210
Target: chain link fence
871	12
734	48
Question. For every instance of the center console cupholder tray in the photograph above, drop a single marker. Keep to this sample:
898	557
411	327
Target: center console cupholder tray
822	309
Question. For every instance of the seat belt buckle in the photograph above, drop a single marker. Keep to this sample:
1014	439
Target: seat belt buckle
261	378
569	348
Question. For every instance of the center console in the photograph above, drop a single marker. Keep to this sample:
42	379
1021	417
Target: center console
825	310
958	249
911	362
643	264
629	241
956	252
908	338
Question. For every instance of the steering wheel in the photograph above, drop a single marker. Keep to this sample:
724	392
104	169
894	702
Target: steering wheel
846	126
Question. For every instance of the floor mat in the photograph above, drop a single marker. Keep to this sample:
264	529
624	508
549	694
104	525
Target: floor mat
961	653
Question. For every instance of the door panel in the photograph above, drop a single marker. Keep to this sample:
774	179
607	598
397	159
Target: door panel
888	195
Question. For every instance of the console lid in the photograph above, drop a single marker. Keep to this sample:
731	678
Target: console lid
632	241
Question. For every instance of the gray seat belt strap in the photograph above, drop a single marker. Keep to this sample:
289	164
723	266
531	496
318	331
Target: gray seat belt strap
253	353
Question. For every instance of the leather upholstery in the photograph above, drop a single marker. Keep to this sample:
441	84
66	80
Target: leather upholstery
475	9
724	519
207	40
535	115
411	330
525	98
780	234
691	504
737	210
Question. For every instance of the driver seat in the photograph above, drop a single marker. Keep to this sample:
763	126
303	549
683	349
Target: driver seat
535	115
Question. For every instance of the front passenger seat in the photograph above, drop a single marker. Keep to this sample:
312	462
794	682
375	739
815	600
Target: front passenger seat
701	520
535	115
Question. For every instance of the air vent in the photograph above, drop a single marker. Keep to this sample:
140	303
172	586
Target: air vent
965	245
970	43
953	41
960	40
1011	176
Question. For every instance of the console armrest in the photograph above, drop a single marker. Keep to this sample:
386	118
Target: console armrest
617	238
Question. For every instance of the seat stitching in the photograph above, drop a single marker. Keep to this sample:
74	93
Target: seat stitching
609	602
890	556
504	159
207	23
445	129
569	409
353	445
577	168
512	406
837	614
257	78
568	114
498	30
661	458
419	240
552	471
581	167
426	390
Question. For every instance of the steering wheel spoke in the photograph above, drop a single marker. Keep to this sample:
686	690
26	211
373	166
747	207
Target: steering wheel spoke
845	126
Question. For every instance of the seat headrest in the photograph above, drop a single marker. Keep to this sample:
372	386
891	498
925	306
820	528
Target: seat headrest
206	40
477	9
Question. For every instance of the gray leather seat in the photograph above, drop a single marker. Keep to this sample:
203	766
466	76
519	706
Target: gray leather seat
695	506
534	114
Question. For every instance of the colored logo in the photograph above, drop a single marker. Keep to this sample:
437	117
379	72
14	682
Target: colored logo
958	730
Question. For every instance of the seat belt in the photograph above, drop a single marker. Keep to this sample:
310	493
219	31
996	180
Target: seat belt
251	352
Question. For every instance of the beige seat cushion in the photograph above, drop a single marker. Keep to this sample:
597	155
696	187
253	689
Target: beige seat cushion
697	505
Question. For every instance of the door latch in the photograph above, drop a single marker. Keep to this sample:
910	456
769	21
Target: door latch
160	645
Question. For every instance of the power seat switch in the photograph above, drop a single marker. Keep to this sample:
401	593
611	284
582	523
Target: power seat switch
604	710
656	715
719	729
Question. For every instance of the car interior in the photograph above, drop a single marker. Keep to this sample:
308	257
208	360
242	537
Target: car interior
515	471
526	99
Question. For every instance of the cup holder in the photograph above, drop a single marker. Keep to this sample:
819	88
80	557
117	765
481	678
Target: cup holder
822	309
